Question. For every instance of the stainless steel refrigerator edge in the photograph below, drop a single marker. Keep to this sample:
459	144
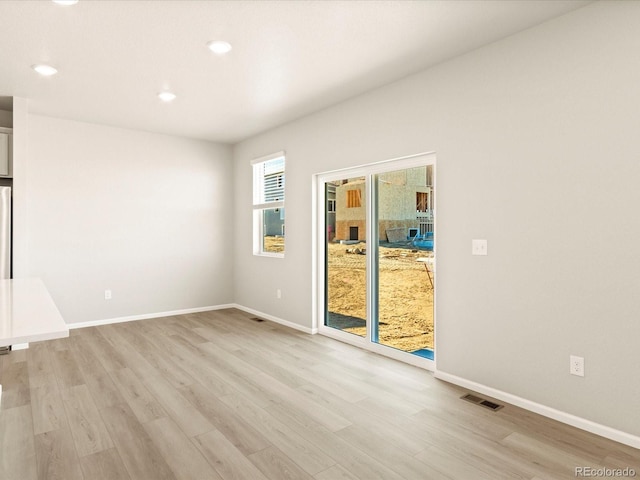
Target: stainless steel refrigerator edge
5	232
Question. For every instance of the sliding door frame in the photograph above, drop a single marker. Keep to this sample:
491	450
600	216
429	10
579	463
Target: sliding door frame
368	171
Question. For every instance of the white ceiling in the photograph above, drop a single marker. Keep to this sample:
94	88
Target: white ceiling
289	58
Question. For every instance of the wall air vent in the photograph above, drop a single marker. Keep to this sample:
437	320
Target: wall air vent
482	402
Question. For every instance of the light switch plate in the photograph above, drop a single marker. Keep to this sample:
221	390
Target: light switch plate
478	246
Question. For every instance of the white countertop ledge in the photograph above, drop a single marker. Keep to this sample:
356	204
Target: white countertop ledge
27	313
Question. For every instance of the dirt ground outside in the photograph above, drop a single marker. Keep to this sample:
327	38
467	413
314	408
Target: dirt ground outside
273	244
406	295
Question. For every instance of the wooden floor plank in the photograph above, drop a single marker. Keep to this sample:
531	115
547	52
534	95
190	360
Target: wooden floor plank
268	365
218	395
89	432
57	457
156	356
293	444
398	429
240	433
103	389
182	456
294	399
358	461
275	464
239	374
124	354
451	466
229	462
66	369
85	356
143	404
110	357
104	465
337	472
478	446
39	359
18	460
190	420
46	405
15	383
139	454
397	459
97	379
561	462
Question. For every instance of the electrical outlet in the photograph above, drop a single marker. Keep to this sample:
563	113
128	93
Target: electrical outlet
576	365
278	293
107	294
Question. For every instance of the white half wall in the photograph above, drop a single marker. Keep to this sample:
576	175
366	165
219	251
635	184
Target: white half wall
537	152
146	216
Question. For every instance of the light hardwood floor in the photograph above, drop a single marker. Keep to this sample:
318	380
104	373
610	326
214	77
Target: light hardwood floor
217	395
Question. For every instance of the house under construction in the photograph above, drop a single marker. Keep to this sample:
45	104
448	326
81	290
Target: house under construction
405	205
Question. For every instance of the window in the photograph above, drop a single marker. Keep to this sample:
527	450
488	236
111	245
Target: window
422	201
353	198
331	206
268	205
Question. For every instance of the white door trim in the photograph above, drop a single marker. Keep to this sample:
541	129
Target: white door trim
318	252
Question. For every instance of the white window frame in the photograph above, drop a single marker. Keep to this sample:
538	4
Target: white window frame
319	254
259	205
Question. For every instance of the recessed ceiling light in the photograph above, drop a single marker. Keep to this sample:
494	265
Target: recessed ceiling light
45	70
65	2
166	96
219	47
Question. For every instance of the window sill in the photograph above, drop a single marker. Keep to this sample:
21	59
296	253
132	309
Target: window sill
269	254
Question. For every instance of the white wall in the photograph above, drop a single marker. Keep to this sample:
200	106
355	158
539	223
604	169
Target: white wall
145	215
537	151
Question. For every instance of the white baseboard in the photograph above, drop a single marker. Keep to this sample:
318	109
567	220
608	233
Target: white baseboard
19	346
569	419
108	321
146	316
271	318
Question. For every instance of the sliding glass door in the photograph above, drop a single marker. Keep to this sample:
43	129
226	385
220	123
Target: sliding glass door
345	252
405	260
377	258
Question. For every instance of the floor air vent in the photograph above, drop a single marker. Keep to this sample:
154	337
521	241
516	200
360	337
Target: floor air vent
256	319
482	402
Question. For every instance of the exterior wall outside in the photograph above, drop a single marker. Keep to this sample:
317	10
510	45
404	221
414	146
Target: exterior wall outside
343	229
350	216
384	225
412	176
396	207
274	222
